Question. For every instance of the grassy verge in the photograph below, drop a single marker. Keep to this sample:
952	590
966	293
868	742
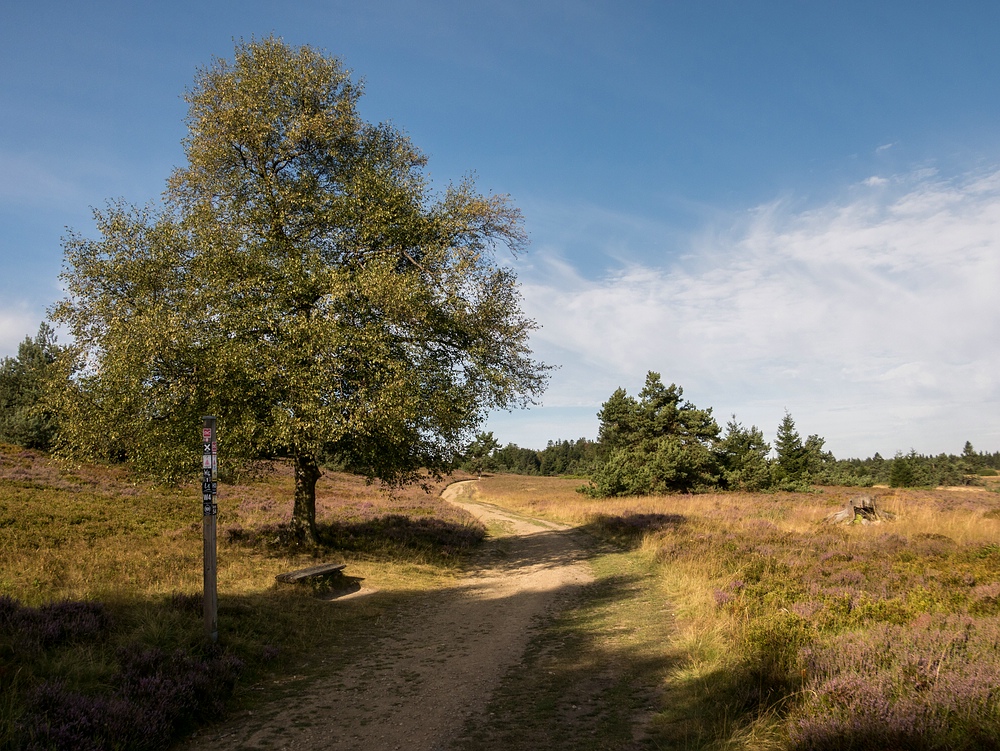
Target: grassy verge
783	632
101	636
590	679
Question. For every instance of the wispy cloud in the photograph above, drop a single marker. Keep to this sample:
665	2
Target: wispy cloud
26	180
32	180
15	325
873	319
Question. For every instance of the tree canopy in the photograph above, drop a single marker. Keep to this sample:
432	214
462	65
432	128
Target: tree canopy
303	283
25	419
743	456
646	445
797	462
660	442
655	443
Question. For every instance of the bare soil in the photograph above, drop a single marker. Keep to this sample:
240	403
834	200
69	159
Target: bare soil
436	672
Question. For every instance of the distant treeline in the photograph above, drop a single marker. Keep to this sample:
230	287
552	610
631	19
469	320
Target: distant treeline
580	457
912	469
660	442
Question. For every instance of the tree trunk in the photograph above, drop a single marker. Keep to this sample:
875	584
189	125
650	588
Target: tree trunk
304	512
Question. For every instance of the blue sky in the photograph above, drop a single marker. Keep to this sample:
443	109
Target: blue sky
776	205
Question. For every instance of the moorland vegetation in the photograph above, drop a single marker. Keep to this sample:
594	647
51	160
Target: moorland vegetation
790	633
662	443
783	632
102	643
346	325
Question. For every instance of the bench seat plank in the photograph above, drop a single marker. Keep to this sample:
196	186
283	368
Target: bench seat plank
305	573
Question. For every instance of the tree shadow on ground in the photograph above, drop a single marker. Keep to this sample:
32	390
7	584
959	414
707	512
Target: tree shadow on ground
392	535
579	684
547	548
141	673
628	530
403	534
569	688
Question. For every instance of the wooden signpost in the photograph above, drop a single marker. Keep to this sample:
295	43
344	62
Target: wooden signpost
210	511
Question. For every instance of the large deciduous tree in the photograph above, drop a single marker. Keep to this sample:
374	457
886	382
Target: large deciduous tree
303	283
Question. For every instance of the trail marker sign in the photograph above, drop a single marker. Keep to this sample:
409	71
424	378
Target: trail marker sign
210	512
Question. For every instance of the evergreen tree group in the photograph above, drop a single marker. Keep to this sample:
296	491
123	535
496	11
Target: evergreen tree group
660	442
25	418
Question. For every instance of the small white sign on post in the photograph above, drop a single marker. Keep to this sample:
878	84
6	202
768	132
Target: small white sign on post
210	511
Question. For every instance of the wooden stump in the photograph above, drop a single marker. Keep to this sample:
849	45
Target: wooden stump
861	509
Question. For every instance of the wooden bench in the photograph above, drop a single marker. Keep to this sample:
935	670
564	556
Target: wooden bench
324	569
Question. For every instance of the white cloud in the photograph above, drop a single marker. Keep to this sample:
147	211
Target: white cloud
15	325
875	181
873	320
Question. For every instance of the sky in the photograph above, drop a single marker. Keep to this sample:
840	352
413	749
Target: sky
779	206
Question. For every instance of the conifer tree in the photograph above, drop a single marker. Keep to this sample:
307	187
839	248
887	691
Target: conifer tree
655	444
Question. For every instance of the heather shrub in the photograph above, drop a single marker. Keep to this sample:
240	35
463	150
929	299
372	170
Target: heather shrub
101	637
63	622
930	684
400	534
396	535
56	717
759	587
137	697
155	696
848	632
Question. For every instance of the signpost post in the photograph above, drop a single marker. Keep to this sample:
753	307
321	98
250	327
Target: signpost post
210	511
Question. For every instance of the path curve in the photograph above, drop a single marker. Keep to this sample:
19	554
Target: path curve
438	672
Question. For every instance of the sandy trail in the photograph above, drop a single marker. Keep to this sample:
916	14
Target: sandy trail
430	677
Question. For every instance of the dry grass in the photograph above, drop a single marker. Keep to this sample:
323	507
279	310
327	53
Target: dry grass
740	584
772	606
92	534
967	517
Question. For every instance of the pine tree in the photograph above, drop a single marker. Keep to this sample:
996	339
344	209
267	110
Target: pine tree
655	444
25	417
791	463
743	456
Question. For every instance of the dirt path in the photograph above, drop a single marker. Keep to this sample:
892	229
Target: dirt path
440	670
